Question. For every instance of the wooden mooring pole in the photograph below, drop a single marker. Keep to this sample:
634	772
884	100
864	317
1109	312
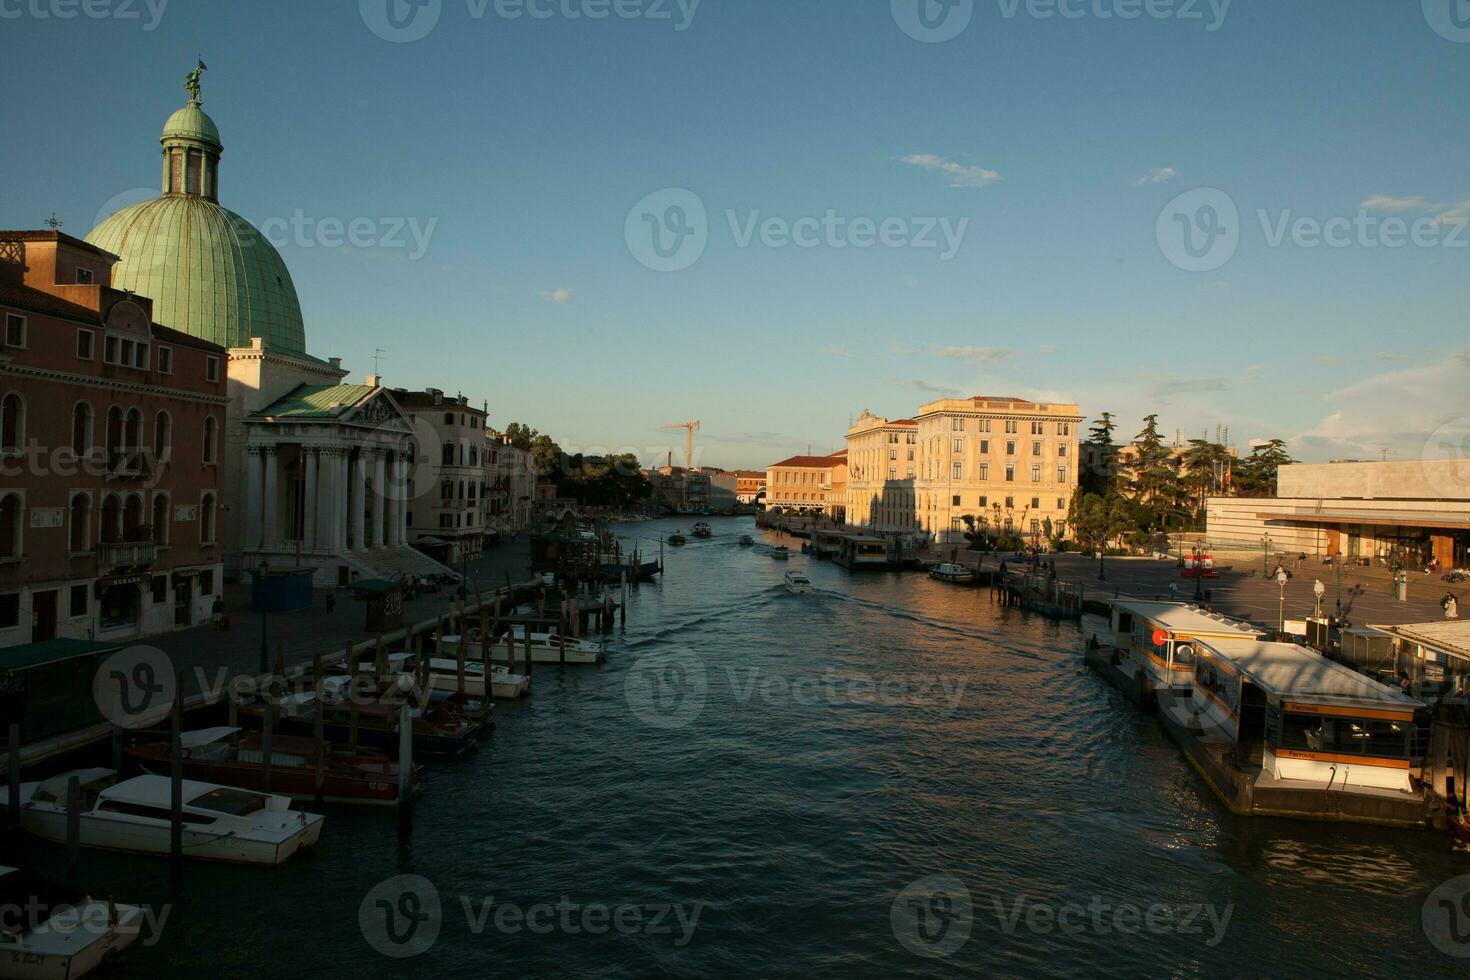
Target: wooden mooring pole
12	756
176	787
318	725
405	772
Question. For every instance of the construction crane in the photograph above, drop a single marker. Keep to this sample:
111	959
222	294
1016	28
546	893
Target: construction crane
689	428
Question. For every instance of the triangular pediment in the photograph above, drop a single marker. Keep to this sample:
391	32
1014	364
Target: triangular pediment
381	412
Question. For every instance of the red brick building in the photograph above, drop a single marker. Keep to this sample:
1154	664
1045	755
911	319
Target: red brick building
111	432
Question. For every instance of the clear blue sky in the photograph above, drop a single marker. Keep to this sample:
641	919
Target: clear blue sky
528	141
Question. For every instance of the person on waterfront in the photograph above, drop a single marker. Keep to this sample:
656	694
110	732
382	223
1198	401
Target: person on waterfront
217	613
331	601
1450	605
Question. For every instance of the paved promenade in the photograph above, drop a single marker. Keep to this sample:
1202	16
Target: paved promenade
303	634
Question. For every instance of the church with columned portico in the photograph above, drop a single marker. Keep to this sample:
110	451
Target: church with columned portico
318	472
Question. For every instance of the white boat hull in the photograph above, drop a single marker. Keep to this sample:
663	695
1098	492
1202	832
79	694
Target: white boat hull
63	950
151	837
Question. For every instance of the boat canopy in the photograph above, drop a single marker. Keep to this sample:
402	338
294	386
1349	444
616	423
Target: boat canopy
1287	672
205	736
55	787
1179	617
39	896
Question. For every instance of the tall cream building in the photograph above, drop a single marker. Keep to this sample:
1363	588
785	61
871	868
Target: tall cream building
881	465
1010	463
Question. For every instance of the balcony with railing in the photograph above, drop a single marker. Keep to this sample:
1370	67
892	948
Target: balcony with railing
126	554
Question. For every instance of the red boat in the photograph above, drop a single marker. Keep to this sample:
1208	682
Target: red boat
230	757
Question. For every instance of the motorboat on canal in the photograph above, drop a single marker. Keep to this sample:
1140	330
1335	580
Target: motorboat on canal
221	823
797	582
781	553
439	728
1278	729
231	757
677	539
703	530
953	572
746	541
444	672
1149	645
59	933
546	648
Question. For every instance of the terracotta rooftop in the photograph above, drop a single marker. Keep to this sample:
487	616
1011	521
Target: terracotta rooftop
814	462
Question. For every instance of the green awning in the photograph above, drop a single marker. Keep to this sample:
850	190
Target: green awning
31	655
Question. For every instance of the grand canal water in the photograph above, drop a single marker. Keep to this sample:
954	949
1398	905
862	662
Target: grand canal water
773	771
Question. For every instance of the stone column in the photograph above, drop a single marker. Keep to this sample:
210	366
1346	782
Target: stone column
253	526
340	489
404	501
380	479
308	495
328	514
395	501
356	505
268	511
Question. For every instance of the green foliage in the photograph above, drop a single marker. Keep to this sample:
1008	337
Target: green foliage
1255	476
597	481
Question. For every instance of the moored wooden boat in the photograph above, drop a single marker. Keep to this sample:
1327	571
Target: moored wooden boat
231	757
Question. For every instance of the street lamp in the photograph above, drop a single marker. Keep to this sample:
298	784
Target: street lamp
1281	581
1319	590
1265	555
1199	574
265	654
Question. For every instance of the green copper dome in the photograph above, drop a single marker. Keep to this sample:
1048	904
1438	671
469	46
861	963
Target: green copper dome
191	122
209	272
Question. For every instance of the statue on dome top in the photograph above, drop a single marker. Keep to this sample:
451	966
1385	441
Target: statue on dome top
192	82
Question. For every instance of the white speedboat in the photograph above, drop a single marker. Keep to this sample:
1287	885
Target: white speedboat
953	572
781	553
56	933
797	582
545	649
221	823
444	674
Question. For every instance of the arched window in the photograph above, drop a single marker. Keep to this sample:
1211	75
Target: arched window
12	423
10	509
133	518
163	437
114	435
81	429
160	520
81	523
206	519
133	431
111	519
211	439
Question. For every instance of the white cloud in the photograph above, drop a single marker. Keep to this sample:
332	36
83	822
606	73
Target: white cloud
959	174
909	282
1158	175
904	350
980	355
1455	214
561	296
1049	349
1388	202
836	352
1399	411
930	388
1385	355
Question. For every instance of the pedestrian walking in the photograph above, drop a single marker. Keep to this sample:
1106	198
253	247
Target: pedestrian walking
331	601
217	613
1450	605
